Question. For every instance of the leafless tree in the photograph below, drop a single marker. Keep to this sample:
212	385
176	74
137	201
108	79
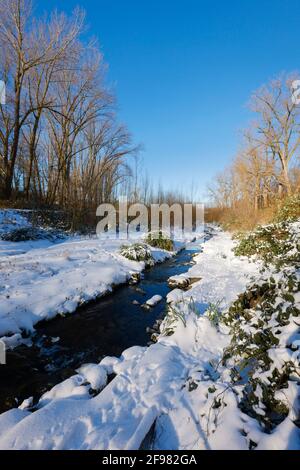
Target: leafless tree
277	128
60	141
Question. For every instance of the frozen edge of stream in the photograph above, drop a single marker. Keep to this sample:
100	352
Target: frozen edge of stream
151	383
44	283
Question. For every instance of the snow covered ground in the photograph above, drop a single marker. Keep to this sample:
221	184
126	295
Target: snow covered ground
166	383
13	220
41	279
45	282
175	394
222	275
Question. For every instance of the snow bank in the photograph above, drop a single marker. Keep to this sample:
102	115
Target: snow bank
176	394
156	384
11	220
46	282
149	383
54	280
223	275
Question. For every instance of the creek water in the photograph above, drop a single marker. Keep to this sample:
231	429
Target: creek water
105	327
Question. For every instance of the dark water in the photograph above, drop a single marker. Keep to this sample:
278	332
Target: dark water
104	327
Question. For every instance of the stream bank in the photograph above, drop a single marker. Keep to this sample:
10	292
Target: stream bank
104	327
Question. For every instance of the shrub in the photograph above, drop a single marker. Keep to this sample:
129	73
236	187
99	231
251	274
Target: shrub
160	240
289	210
275	243
29	233
260	320
137	252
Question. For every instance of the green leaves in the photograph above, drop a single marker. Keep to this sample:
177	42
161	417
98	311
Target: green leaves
160	240
290	210
137	252
277	244
260	321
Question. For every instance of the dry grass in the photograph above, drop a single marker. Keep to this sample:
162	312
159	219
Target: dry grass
241	219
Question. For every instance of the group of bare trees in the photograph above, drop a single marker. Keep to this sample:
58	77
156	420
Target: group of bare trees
60	142
268	165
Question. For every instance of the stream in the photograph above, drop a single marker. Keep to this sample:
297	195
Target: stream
105	327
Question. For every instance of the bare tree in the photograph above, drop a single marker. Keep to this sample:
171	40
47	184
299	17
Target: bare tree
30	50
256	173
63	34
277	128
60	140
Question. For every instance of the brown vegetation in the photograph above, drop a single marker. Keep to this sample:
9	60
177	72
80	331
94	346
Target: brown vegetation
267	169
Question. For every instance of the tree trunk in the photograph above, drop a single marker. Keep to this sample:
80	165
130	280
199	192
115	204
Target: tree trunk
286	178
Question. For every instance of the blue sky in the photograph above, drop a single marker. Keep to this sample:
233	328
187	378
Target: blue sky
183	72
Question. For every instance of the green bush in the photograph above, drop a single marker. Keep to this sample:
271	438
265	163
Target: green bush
29	234
160	240
289	210
137	252
258	320
275	243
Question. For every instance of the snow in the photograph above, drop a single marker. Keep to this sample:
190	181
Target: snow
174	296
45	282
109	363
177	384
154	300
95	374
180	280
223	275
74	386
42	282
11	220
26	404
150	383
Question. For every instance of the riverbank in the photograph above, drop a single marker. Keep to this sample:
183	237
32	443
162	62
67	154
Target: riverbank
152	384
39	283
190	390
105	326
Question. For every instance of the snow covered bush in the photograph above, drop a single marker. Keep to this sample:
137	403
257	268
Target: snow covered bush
275	243
138	252
160	240
20	226
28	233
264	323
289	210
11	220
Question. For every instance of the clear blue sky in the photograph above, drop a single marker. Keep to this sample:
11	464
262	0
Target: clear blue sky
183	71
